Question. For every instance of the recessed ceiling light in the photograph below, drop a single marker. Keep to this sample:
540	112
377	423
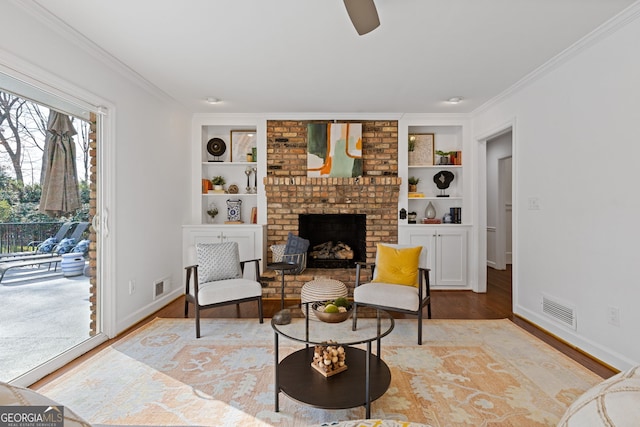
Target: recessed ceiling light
455	99
212	100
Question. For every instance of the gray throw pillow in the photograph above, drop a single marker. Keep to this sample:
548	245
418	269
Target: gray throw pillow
296	245
218	261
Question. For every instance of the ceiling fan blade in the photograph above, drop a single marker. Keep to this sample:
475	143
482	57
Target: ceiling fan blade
363	14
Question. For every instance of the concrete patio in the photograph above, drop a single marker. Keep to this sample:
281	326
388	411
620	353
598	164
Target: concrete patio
42	313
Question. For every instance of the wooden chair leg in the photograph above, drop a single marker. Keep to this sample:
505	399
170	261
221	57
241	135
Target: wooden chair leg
260	309
420	326
186	308
355	317
197	321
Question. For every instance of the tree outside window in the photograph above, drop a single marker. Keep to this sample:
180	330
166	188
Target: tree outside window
22	136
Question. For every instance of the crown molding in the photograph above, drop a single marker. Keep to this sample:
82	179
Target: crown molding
435	118
630	14
332	116
41	13
29	81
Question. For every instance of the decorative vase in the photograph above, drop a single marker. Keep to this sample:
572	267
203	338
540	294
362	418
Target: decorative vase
430	211
413	188
233	210
412	157
212	211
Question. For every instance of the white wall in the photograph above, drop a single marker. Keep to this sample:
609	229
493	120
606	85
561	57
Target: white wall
151	165
576	149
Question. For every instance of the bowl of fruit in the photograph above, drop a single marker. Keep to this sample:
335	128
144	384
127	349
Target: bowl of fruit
332	311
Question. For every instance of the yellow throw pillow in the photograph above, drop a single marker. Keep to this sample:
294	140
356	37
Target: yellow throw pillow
399	266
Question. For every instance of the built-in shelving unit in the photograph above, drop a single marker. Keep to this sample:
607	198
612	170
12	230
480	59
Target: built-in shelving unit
232	164
234	173
447	139
446	244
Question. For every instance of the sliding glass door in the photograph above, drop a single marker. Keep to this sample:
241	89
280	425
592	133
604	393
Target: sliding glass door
52	229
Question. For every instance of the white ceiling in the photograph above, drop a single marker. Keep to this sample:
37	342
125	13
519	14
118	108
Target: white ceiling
304	55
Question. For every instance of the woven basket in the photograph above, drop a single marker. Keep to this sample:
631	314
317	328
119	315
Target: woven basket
321	289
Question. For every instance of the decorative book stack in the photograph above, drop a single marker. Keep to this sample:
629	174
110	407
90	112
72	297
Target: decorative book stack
431	221
206	186
456	215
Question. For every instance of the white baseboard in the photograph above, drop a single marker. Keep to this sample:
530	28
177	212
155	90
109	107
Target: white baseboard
148	310
573	338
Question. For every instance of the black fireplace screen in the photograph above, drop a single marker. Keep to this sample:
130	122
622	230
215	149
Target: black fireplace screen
335	240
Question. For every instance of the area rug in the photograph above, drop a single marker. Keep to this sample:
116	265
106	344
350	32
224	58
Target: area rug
466	373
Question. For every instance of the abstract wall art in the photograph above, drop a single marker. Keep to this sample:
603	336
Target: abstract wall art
334	150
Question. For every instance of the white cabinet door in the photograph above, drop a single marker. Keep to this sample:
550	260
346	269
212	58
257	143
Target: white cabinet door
451	258
246	240
249	239
445	253
424	237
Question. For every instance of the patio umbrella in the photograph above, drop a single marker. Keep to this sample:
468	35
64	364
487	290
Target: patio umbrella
60	194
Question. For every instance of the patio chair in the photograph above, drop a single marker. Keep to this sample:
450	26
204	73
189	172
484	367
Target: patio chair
82	247
221	280
68	243
47	245
40	246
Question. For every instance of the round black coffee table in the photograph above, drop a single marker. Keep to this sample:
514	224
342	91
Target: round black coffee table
367	376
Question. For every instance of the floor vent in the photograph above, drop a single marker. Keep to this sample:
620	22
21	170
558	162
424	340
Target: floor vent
158	288
562	312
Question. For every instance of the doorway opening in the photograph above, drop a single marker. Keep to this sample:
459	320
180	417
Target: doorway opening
499	208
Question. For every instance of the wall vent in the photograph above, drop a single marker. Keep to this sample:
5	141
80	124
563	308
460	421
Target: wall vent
159	287
562	312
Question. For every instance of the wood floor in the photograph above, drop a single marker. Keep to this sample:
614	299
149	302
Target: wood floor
494	304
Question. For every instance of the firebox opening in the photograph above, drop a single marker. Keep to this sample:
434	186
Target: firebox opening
335	240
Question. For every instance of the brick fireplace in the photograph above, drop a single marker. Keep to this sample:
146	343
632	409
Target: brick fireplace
290	193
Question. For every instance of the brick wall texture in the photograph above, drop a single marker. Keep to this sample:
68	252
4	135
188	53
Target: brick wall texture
290	192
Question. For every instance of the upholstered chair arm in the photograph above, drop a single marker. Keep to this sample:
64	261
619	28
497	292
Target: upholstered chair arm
256	267
423	279
192	270
359	265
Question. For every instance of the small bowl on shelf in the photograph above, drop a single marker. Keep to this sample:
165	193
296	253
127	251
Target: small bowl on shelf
340	316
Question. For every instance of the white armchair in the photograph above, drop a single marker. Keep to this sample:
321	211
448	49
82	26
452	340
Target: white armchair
397	283
218	280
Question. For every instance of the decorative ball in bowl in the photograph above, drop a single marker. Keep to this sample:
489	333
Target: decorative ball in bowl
332	311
